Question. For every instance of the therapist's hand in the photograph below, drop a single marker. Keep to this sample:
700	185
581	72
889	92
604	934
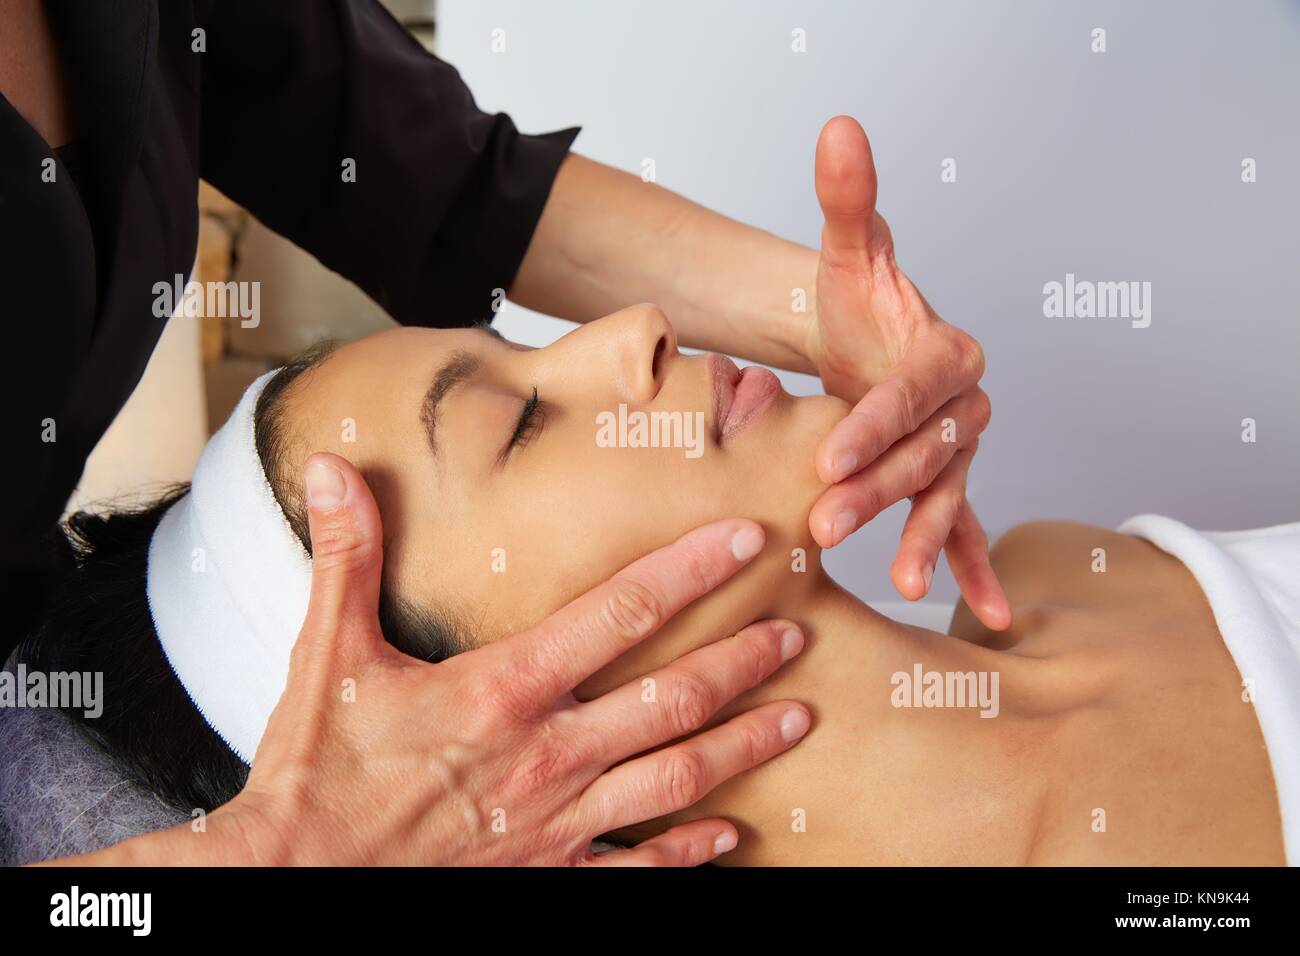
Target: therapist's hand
915	380
487	758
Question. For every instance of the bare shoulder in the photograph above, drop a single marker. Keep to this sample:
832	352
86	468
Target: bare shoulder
1133	670
1067	564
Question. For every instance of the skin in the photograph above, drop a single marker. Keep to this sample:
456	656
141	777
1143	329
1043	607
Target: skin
1116	691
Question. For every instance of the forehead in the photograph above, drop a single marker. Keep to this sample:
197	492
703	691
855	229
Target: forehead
351	399
400	348
384	365
363	402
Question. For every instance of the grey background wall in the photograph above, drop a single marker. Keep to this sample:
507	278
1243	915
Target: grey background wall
1123	165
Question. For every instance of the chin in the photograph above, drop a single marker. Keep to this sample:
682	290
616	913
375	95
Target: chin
792	438
780	483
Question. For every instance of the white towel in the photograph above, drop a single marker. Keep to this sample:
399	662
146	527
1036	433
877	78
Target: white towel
1252	581
228	585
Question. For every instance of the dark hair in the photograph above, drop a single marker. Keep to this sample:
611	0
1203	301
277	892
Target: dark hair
100	621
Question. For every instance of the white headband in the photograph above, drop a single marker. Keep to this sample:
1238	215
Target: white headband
228	585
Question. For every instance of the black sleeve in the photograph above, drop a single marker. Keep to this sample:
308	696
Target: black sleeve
446	197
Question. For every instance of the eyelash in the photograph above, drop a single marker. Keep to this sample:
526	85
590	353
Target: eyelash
531	420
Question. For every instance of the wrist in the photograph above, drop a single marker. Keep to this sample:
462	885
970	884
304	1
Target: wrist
753	296
796	332
249	834
229	836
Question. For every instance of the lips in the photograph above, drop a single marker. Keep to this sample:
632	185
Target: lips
739	396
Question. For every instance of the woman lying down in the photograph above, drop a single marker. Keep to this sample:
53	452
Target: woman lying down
1145	715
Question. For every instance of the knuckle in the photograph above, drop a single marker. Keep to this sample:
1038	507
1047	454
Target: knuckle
757	741
546	765
758	653
303	650
685	851
568	832
910	401
983	410
690	702
495	702
970	355
682	778
337	545
871	501
657	856
868	431
698	570
534	774
924	464
632	610
694	852
325	633
954	501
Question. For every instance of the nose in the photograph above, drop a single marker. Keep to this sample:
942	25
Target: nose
646	342
634	346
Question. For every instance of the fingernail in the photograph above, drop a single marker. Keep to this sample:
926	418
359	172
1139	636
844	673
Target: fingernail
844	465
725	842
325	486
844	524
927	573
791	643
794	724
746	543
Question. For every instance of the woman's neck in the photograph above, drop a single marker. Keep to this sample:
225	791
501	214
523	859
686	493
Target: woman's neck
900	720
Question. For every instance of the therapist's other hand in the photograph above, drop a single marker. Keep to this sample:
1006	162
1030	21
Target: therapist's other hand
487	758
915	380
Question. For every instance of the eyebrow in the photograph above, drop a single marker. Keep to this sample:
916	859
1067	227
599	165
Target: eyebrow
459	368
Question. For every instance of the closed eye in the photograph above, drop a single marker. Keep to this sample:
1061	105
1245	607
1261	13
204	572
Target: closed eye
531	420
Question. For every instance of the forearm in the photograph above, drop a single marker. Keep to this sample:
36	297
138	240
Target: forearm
607	240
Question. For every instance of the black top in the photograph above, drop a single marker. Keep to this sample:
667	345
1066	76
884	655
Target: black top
445	201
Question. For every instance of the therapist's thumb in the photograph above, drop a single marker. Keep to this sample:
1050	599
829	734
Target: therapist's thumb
347	552
845	180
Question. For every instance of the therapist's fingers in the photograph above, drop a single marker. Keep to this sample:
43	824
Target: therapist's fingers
968	559
347	557
672	779
942	519
941	363
690	844
680	698
845	180
549	660
928	526
907	468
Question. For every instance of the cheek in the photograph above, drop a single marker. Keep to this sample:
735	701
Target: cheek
574	518
578	522
566	521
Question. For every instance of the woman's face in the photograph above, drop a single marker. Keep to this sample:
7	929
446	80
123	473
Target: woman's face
500	510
